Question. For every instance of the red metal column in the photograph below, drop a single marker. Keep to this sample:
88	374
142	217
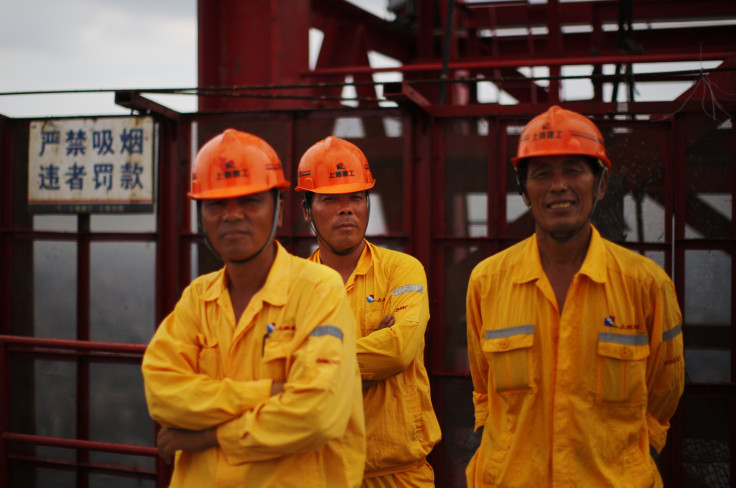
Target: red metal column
169	220
83	289
555	49
258	42
169	255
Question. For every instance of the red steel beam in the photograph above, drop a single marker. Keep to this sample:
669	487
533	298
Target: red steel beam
686	41
36	343
436	67
38	440
517	15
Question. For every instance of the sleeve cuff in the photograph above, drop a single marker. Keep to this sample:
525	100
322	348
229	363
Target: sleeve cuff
480	401
229	436
657	433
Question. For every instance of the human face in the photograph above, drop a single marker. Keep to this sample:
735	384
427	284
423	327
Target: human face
561	191
238	227
340	219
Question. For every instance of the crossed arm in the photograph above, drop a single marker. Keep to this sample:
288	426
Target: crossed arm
387	321
199	412
172	439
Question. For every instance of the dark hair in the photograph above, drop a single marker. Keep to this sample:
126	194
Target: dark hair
309	197
522	168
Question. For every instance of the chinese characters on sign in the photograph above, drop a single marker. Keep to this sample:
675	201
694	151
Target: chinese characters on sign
100	165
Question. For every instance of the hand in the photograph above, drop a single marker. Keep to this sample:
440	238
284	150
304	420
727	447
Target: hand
277	387
170	440
387	321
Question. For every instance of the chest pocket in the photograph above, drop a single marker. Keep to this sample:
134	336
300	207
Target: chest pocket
621	369
511	356
276	350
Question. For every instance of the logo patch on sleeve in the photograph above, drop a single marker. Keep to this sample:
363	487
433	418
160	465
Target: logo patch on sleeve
328	361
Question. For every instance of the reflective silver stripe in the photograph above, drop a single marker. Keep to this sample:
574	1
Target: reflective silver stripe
323	330
519	329
631	340
407	289
672	333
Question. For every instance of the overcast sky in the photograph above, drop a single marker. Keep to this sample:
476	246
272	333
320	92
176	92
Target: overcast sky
98	44
94	44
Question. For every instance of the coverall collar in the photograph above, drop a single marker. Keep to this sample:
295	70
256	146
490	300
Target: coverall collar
272	291
365	261
594	265
363	265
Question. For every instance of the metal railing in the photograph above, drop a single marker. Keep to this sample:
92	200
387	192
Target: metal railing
40	347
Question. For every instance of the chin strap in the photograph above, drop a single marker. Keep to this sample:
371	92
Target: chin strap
274	226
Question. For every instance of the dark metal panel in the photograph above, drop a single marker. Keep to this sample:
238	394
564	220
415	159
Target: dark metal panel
6	217
732	427
4	412
437	209
496	202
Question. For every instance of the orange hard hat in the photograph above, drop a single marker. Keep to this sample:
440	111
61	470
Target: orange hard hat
558	132
234	164
332	166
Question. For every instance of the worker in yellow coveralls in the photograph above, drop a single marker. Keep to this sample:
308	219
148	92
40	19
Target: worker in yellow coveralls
388	295
253	375
575	343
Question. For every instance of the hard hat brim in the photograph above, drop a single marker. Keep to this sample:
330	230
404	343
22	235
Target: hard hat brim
339	189
236	191
540	154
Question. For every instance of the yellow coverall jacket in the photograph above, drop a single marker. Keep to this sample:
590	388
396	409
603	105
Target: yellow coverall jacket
401	426
202	370
576	399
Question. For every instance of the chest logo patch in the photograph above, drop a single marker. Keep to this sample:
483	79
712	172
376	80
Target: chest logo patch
610	321
373	299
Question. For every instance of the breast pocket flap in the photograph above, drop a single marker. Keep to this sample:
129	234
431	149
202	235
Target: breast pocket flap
504	340
274	350
623	349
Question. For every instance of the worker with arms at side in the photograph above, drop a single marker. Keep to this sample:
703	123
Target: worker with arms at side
575	343
388	294
253	375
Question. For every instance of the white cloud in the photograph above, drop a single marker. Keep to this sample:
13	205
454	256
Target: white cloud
84	44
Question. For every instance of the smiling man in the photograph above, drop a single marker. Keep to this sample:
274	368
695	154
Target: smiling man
575	343
388	294
253	375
